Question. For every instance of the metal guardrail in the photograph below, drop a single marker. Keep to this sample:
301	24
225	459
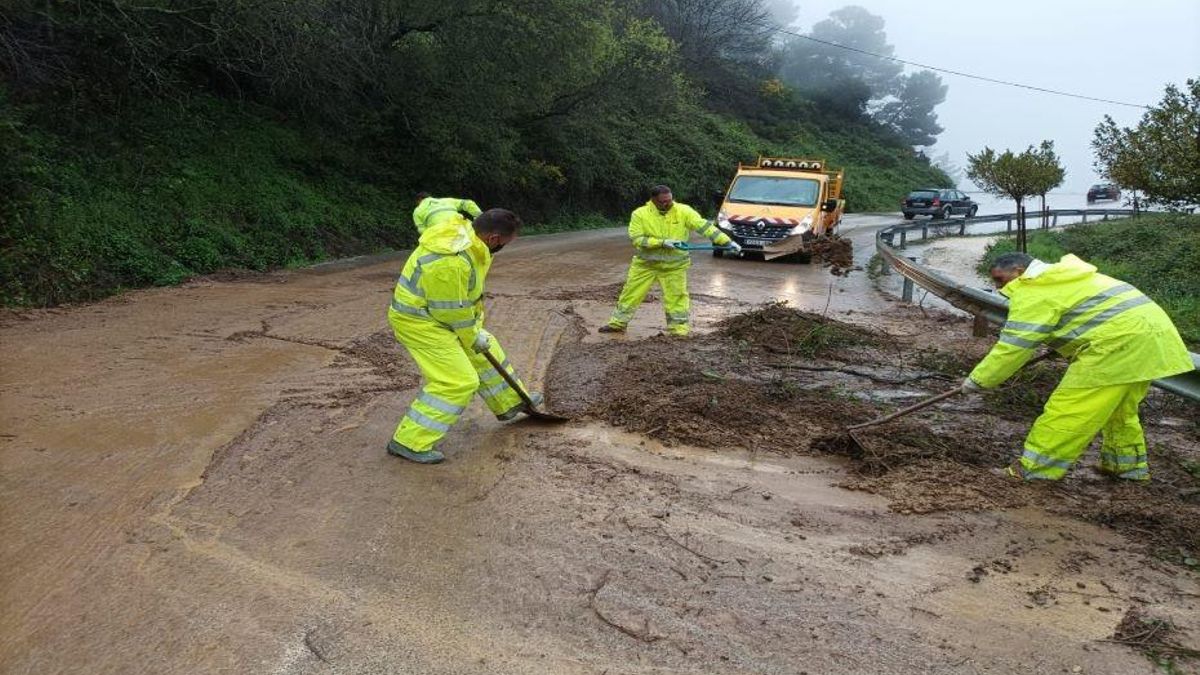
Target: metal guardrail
993	307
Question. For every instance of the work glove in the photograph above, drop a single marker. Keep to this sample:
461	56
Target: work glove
483	340
674	243
734	247
970	387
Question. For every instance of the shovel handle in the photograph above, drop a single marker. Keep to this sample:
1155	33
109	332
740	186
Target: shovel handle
904	411
512	381
934	399
703	247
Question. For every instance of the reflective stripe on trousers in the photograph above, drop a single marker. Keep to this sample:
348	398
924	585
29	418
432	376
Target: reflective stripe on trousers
1070	420
676	303
451	377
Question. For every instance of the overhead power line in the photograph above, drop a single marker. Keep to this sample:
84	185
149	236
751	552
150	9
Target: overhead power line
959	73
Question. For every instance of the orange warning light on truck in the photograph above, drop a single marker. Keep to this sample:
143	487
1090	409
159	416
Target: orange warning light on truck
777	204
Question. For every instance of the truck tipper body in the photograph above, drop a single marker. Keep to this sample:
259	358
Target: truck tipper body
778	204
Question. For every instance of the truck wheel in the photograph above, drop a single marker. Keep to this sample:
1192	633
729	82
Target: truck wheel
909	216
972	212
718	254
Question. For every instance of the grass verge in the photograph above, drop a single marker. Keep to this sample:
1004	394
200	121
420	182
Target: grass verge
1158	253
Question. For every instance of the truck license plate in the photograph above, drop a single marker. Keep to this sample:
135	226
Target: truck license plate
758	242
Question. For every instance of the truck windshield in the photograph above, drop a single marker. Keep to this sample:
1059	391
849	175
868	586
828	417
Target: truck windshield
775	190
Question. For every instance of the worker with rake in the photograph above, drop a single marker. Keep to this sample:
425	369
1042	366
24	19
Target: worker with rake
437	314
659	230
1117	341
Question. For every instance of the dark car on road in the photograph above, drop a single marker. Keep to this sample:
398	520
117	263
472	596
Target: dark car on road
937	202
1103	191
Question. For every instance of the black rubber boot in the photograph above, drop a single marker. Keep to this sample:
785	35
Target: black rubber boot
606	328
427	457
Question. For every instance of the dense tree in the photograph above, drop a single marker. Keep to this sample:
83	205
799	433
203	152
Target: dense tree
1161	155
910	114
845	79
1035	171
146	140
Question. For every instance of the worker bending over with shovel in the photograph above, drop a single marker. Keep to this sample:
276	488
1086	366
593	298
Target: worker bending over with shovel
437	314
659	230
1117	341
432	211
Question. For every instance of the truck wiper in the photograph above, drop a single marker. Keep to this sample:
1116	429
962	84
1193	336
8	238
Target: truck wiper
755	201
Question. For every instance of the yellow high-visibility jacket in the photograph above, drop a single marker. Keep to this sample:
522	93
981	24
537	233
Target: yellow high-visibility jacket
648	229
441	285
1110	331
437	210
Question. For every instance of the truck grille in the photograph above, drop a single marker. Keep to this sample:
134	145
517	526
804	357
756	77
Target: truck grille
752	229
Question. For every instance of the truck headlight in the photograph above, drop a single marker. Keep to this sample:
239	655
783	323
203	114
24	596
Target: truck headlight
804	226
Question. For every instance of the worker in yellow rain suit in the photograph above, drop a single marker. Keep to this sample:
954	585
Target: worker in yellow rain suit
659	230
437	314
1117	341
432	211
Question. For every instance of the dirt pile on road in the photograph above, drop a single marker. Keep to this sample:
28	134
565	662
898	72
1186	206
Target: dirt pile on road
780	329
834	252
696	395
779	380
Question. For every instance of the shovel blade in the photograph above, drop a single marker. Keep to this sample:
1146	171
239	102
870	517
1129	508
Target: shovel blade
545	416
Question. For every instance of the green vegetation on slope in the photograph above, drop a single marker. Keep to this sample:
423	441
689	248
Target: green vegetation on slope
139	206
144	145
1158	253
175	192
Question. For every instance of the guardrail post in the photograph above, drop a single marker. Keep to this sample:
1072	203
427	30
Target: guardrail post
1055	220
962	228
1085	216
979	328
1008	226
906	293
903	238
924	232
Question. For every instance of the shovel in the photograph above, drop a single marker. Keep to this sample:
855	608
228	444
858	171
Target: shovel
904	411
702	247
512	382
932	399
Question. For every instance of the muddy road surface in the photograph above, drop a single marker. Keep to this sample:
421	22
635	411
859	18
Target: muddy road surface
194	481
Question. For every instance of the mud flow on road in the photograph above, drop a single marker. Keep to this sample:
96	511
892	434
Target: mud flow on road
781	380
194	480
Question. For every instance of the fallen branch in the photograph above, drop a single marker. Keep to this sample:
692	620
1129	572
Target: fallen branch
856	372
312	646
644	636
691	550
1160	648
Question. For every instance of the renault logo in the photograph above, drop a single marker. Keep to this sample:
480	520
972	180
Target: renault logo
760	225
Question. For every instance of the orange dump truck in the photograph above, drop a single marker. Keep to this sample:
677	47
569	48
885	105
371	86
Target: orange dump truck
777	205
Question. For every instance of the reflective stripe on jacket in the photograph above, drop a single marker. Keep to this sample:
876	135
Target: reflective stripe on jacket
1110	331
648	229
439	210
441	285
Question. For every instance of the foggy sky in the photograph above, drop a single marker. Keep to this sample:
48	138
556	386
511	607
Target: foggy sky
1127	51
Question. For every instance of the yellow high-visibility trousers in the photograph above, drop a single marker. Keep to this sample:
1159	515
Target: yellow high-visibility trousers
676	303
452	376
1070	420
